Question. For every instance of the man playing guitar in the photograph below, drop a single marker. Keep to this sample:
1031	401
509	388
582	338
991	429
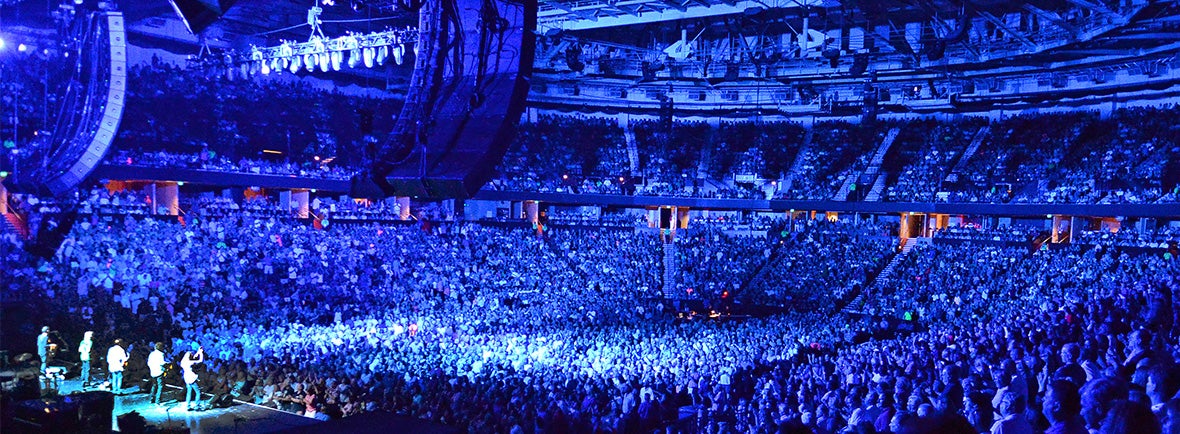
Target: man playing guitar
116	360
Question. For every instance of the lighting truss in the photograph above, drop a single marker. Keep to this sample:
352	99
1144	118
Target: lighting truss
328	53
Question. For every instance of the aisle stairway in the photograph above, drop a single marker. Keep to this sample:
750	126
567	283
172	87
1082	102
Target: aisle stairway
670	268
873	170
632	149
13	223
789	178
976	142
878	188
884	278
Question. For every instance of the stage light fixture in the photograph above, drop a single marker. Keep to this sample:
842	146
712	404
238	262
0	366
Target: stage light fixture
324	61
368	55
382	53
399	53
354	57
337	60
295	63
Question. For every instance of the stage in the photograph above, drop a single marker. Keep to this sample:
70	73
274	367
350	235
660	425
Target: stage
73	409
240	418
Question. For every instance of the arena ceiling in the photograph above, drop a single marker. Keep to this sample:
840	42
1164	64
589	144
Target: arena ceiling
788	38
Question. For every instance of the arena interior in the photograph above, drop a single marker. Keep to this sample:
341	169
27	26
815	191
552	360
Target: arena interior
590	216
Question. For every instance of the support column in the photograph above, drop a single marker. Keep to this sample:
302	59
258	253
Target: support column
403	206
903	228
3	199
167	200
285	201
300	201
1061	228
149	191
516	211
531	213
1076	224
935	222
681	218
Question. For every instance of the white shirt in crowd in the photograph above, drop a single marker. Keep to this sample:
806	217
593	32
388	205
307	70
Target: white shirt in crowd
155	363
116	357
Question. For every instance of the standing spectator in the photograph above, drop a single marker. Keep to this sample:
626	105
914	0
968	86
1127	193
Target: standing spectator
1062	408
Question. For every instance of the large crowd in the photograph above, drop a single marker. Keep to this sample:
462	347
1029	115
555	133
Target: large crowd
503	328
1073	157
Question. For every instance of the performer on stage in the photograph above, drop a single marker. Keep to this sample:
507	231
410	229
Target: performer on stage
155	364
192	392
43	347
84	349
116	360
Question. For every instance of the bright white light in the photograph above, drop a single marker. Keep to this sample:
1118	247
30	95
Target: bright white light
323	61
337	60
398	52
382	53
354	57
1	43
22	48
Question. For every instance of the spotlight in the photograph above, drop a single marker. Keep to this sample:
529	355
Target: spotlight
324	61
382	53
1	43
295	64
354	57
309	62
398	52
337	59
264	68
22	48
368	54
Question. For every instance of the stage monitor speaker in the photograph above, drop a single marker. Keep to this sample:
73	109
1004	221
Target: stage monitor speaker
95	409
80	412
198	15
465	97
